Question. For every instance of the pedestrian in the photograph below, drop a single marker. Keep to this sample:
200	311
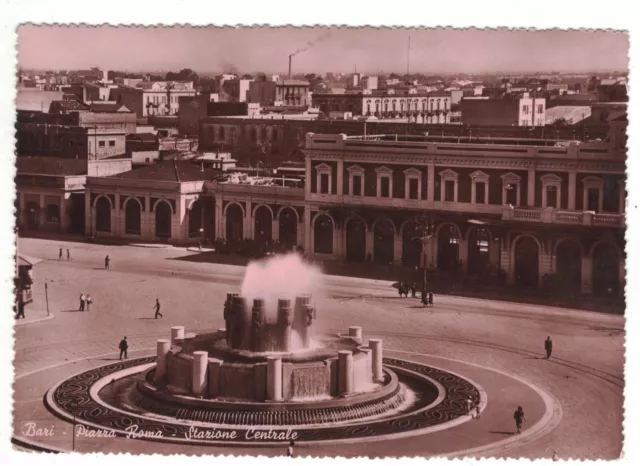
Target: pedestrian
400	286
89	301
60	254
548	347
20	309
82	302
68	255
430	299
470	406
124	346
200	247
106	262
157	308
413	290
477	411
290	449
519	418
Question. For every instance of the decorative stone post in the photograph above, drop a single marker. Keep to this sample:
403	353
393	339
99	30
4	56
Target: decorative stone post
345	372
177	333
162	350
237	321
285	319
213	374
228	316
257	324
199	372
274	378
367	352
355	333
304	314
376	359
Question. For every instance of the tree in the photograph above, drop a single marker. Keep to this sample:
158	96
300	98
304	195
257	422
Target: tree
186	74
561	123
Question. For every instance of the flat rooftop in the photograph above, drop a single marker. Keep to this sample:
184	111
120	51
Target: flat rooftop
471	139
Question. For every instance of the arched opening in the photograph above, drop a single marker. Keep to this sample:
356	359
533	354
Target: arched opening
383	233
234	223
196	219
288	228
568	276
479	241
262	225
163	220
323	235
356	240
526	261
606	270
411	245
33	212
103	215
448	248
132	217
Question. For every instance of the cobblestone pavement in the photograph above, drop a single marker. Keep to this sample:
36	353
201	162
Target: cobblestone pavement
585	373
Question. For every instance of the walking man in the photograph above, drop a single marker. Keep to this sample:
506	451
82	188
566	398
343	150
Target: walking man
106	262
124	346
89	301
290	449
20	309
60	254
157	308
68	255
430	299
413	289
470	406
519	418
82	302
548	347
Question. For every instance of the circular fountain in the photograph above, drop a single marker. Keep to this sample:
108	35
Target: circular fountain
268	362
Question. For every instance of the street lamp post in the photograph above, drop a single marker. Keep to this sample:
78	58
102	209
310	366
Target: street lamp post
426	225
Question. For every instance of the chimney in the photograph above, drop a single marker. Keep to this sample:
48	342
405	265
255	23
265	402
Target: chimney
290	57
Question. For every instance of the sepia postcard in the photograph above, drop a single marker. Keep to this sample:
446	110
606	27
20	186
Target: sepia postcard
320	241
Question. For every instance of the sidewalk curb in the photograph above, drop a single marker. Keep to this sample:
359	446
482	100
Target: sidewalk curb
35	321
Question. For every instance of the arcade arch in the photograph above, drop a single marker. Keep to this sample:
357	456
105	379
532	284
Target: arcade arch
132	216
356	238
323	234
103	214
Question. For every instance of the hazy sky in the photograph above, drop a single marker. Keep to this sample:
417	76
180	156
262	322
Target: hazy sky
322	49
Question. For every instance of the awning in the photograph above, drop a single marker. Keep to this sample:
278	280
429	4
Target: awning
24	260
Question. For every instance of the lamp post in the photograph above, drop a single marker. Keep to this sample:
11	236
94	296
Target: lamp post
425	224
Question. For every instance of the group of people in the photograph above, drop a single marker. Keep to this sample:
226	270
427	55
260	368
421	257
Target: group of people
426	297
60	255
85	302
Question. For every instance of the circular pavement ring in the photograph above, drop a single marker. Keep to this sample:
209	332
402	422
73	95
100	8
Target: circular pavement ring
74	398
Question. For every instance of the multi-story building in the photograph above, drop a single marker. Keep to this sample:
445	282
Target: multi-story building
292	93
78	134
152	98
414	106
508	111
528	207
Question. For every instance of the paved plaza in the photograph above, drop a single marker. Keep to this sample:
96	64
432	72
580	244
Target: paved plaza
573	402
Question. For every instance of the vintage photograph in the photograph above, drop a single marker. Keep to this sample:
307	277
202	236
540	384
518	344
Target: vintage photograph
320	241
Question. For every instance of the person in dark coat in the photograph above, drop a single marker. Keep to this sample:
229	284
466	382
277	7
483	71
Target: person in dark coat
157	308
68	255
124	346
548	347
400	288
430	299
413	290
60	254
106	262
20	309
518	416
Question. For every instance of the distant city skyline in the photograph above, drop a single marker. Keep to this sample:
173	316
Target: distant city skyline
369	50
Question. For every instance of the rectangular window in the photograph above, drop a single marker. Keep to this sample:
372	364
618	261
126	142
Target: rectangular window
100	143
512	195
525	109
593	198
357	185
112	144
324	183
413	188
552	196
449	191
540	108
480	187
384	187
